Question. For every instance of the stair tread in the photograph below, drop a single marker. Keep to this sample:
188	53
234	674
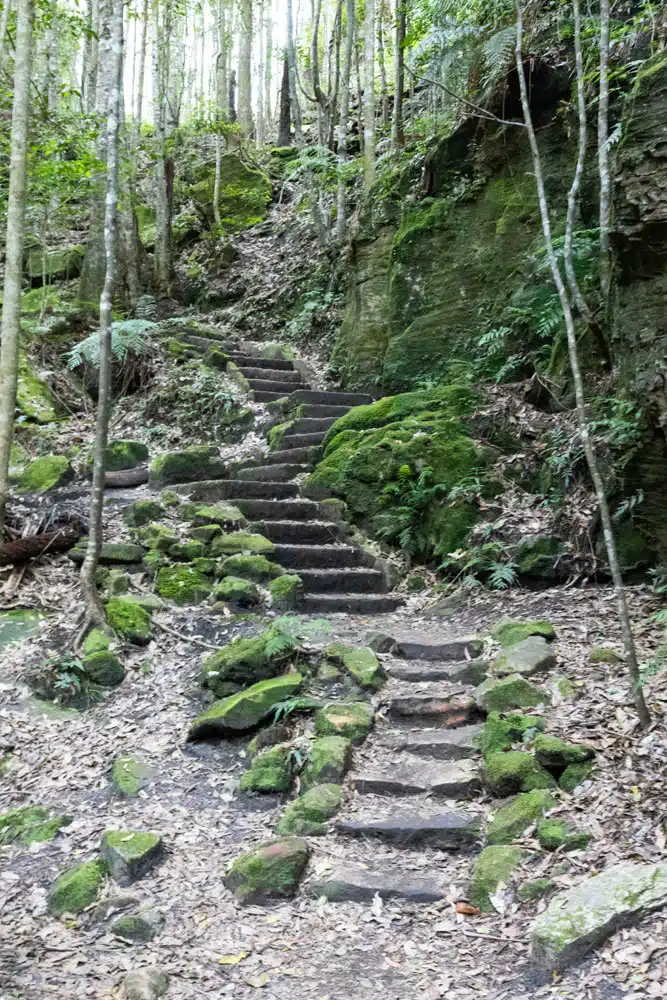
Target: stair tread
467	672
270	374
413	776
274	385
275	364
347	883
443	829
442	744
350	603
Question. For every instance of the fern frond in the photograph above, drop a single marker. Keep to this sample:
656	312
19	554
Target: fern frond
129	337
502	576
498	51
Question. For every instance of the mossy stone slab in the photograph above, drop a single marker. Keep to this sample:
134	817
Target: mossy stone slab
515	816
494	865
532	655
308	815
509	631
129	621
352	720
502	694
77	888
360	662
271	871
129	776
31	824
243	711
104	668
140	927
269	771
130	854
46	473
186	466
330	758
233	543
515	771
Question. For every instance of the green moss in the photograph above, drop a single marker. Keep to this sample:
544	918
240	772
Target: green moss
506	693
330	757
129	620
352	720
515	771
556	754
308	814
34	399
206	533
129	776
360	662
183	584
508	632
141	927
154	560
186	551
502	732
77	888
189	465
215	357
234	590
117	582
446	401
270	771
250	568
574	775
123	454
170	498
130	853
272	870
55	264
529	892
244	710
277	433
553	834
104	668
31	824
244	661
493	866
511	819
244	195
286	591
239	541
46	473
157	536
538	557
143	512
223	514
111	553
604	654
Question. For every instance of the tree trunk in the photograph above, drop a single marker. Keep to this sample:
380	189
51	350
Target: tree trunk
231	100
4	21
284	135
268	118
603	156
577	378
245	67
11	301
52	67
260	76
220	106
94	612
384	96
91	56
397	133
162	256
295	107
341	199
142	71
369	94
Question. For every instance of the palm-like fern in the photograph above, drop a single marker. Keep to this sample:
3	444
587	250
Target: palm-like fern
129	338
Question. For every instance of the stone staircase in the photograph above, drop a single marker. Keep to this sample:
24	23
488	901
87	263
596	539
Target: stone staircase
337	576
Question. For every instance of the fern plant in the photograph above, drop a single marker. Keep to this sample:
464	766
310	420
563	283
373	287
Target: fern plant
129	339
410	501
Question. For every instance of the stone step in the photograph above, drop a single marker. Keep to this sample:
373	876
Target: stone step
439	744
272	473
418	647
315	532
268	397
346	884
284	387
313	425
263	374
203	343
211	490
305	456
441	708
449	830
323	398
320	411
304	440
353	604
346	581
273	364
453	779
276	510
314	556
468	672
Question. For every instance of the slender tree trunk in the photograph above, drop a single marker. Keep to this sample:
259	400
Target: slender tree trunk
397	133
603	156
295	107
52	68
341	199
260	75
369	94
231	99
245	67
4	21
384	95
284	135
220	106
11	300
142	71
577	378
92	56
94	612
162	254
360	98
268	120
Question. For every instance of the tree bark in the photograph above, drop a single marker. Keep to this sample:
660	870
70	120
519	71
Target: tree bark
384	96
4	21
11	301
220	106
603	156
341	195
90	57
260	76
397	133
284	134
268	118
295	107
93	607
142	72
162	256
369	94
245	67
52	67
577	378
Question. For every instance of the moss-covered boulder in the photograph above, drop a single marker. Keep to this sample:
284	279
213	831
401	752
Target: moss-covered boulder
123	454
183	584
308	815
330	758
205	533
77	888
250	568
501	694
243	711
509	631
352	720
575	775
225	515
157	537
286	592
530	656
186	466
511	819
360	662
539	556
494	865
140	927
34	399
237	592
604	654
244	194
241	663
142	512
556	754
129	621
502	732
31	824
96	641
554	833
129	776
111	553
515	771
186	551
104	668
46	473
271	871
241	542
131	853
270	771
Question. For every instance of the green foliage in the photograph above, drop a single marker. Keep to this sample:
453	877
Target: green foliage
63	679
487	563
130	339
410	500
198	399
285	708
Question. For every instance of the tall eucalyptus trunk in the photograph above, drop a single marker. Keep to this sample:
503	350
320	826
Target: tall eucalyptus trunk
295	107
161	61
284	133
245	68
397	133
341	199
260	76
4	21
268	56
369	94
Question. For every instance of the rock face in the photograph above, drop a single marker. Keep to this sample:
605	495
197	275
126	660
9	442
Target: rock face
530	656
131	853
271	871
581	918
244	710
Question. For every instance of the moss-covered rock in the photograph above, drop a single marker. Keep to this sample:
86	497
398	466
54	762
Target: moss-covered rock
77	888
183	584
243	662
530	892
206	533
360	662
505	693
31	824
604	654
140	927
538	556
503	732
215	357
553	833
34	399
286	592
250	568
235	591
243	711
244	193
225	515
308	815
129	620
561	688
330	757
170	498
511	819
104	668
46	473
352	720
123	454
508	631
96	641
515	771
157	537
129	776
494	865
117	582
529	656
240	541
556	754
575	775
131	853
142	512
187	551
111	553
186	466
271	871
270	771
